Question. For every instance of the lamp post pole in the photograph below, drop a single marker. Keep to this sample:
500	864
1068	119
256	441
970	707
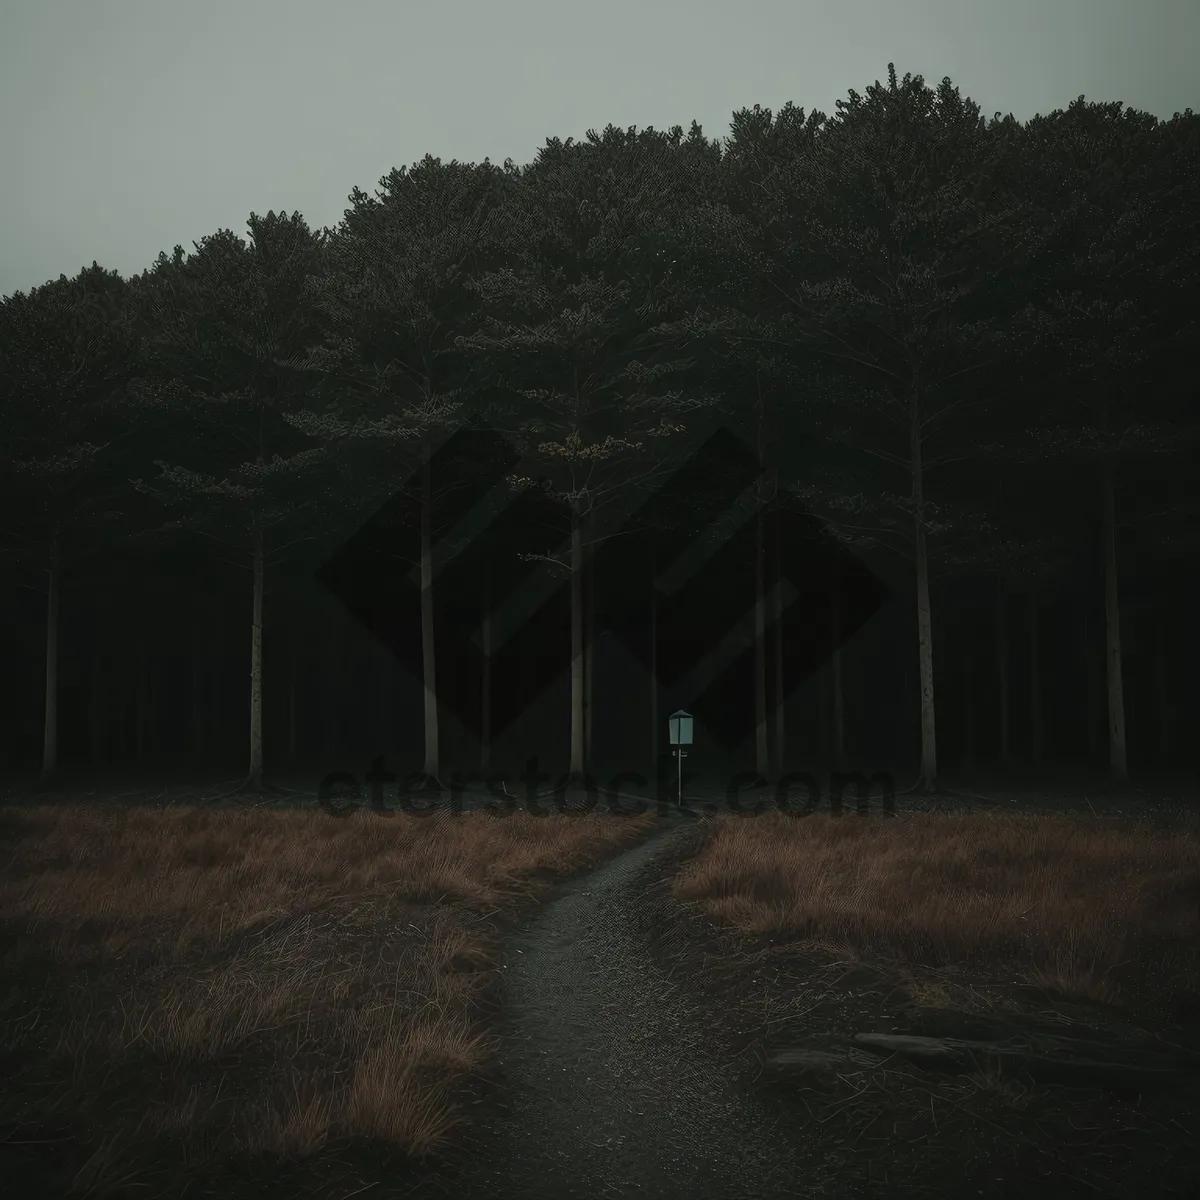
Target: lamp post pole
680	726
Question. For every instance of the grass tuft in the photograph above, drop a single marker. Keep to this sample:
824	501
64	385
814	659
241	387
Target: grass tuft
192	985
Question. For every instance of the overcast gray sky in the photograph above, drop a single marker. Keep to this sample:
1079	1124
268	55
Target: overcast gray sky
127	126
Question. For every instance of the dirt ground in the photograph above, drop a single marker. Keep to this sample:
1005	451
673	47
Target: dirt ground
633	1044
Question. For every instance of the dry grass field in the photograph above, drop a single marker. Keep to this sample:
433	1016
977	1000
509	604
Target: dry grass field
1100	909
1053	932
186	988
209	1002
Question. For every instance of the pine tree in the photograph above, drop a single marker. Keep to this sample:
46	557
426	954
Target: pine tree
572	327
66	353
1117	256
223	324
392	299
888	230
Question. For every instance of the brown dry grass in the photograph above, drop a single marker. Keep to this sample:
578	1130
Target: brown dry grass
1097	909
189	985
799	932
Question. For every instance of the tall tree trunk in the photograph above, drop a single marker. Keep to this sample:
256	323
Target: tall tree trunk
485	736
577	660
1117	759
143	698
49	776
432	769
654	663
196	677
214	679
293	683
383	716
589	699
824	709
928	775
98	710
331	687
254	779
780	694
912	706
294	641
1095	687
1162	692
128	727
1035	680
1002	676
970	711
835	670
762	766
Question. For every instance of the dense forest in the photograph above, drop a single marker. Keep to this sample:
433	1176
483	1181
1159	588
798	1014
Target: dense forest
915	388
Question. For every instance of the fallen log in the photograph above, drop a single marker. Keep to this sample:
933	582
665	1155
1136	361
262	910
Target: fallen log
1069	1068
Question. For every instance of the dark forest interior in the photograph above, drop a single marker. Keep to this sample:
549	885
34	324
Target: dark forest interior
153	657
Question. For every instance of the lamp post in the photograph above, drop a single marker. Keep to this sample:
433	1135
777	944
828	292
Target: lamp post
680	726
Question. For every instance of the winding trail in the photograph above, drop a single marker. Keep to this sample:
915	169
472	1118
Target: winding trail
610	1088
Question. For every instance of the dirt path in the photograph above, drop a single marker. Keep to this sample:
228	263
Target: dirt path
610	1086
